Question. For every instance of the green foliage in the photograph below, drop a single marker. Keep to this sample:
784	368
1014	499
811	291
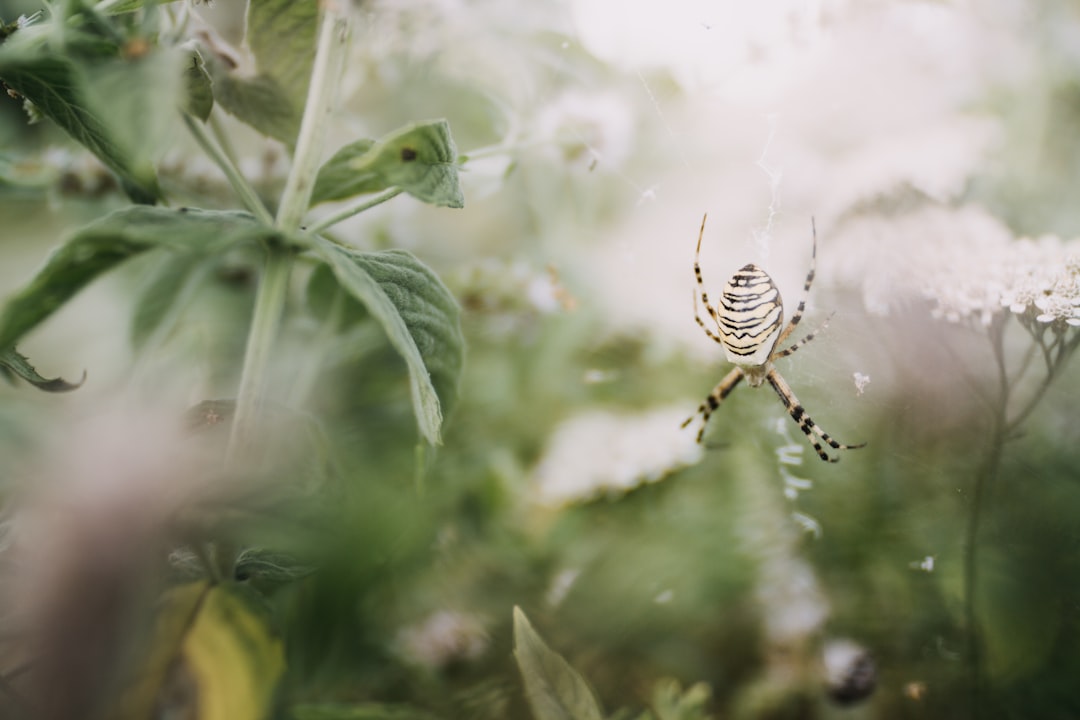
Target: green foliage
163	295
116	7
366	711
267	569
670	702
419	158
556	691
390	567
281	35
420	317
198	98
215	642
337	180
117	237
63	86
14	365
259	101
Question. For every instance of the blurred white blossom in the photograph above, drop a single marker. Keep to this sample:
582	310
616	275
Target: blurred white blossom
1032	278
926	564
600	452
588	127
444	637
963	260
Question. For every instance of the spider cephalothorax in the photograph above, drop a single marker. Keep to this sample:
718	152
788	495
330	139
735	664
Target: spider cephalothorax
748	322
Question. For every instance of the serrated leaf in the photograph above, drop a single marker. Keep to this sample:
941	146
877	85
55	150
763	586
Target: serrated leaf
555	690
420	158
102	245
363	711
213	656
337	179
57	87
15	365
420	317
282	37
198	98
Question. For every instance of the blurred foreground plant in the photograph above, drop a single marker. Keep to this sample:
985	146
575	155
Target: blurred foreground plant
118	78
1037	282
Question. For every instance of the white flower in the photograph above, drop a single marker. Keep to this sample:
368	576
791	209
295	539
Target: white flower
1031	278
601	452
442	638
589	127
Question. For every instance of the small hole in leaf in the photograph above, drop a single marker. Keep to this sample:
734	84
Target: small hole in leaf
408	154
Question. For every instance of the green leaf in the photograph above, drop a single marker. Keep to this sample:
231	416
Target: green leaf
363	711
212	656
58	89
266	569
337	180
282	36
120	6
420	317
166	290
14	365
102	245
671	703
555	690
421	159
136	100
259	101
198	99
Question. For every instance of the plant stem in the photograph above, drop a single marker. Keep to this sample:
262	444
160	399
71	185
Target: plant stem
1064	352
239	183
274	286
984	476
325	74
353	210
269	303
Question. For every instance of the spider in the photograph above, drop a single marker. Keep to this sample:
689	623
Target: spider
748	324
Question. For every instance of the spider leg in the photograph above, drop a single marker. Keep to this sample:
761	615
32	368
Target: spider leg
697	316
790	350
701	285
806	289
799	415
721	391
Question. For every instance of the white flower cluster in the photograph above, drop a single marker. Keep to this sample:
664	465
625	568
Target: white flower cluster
601	452
1035	279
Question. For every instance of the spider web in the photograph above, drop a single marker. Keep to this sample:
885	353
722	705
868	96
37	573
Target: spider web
775	174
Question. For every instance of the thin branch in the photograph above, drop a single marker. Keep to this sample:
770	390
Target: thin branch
353	210
239	183
984	476
1064	352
